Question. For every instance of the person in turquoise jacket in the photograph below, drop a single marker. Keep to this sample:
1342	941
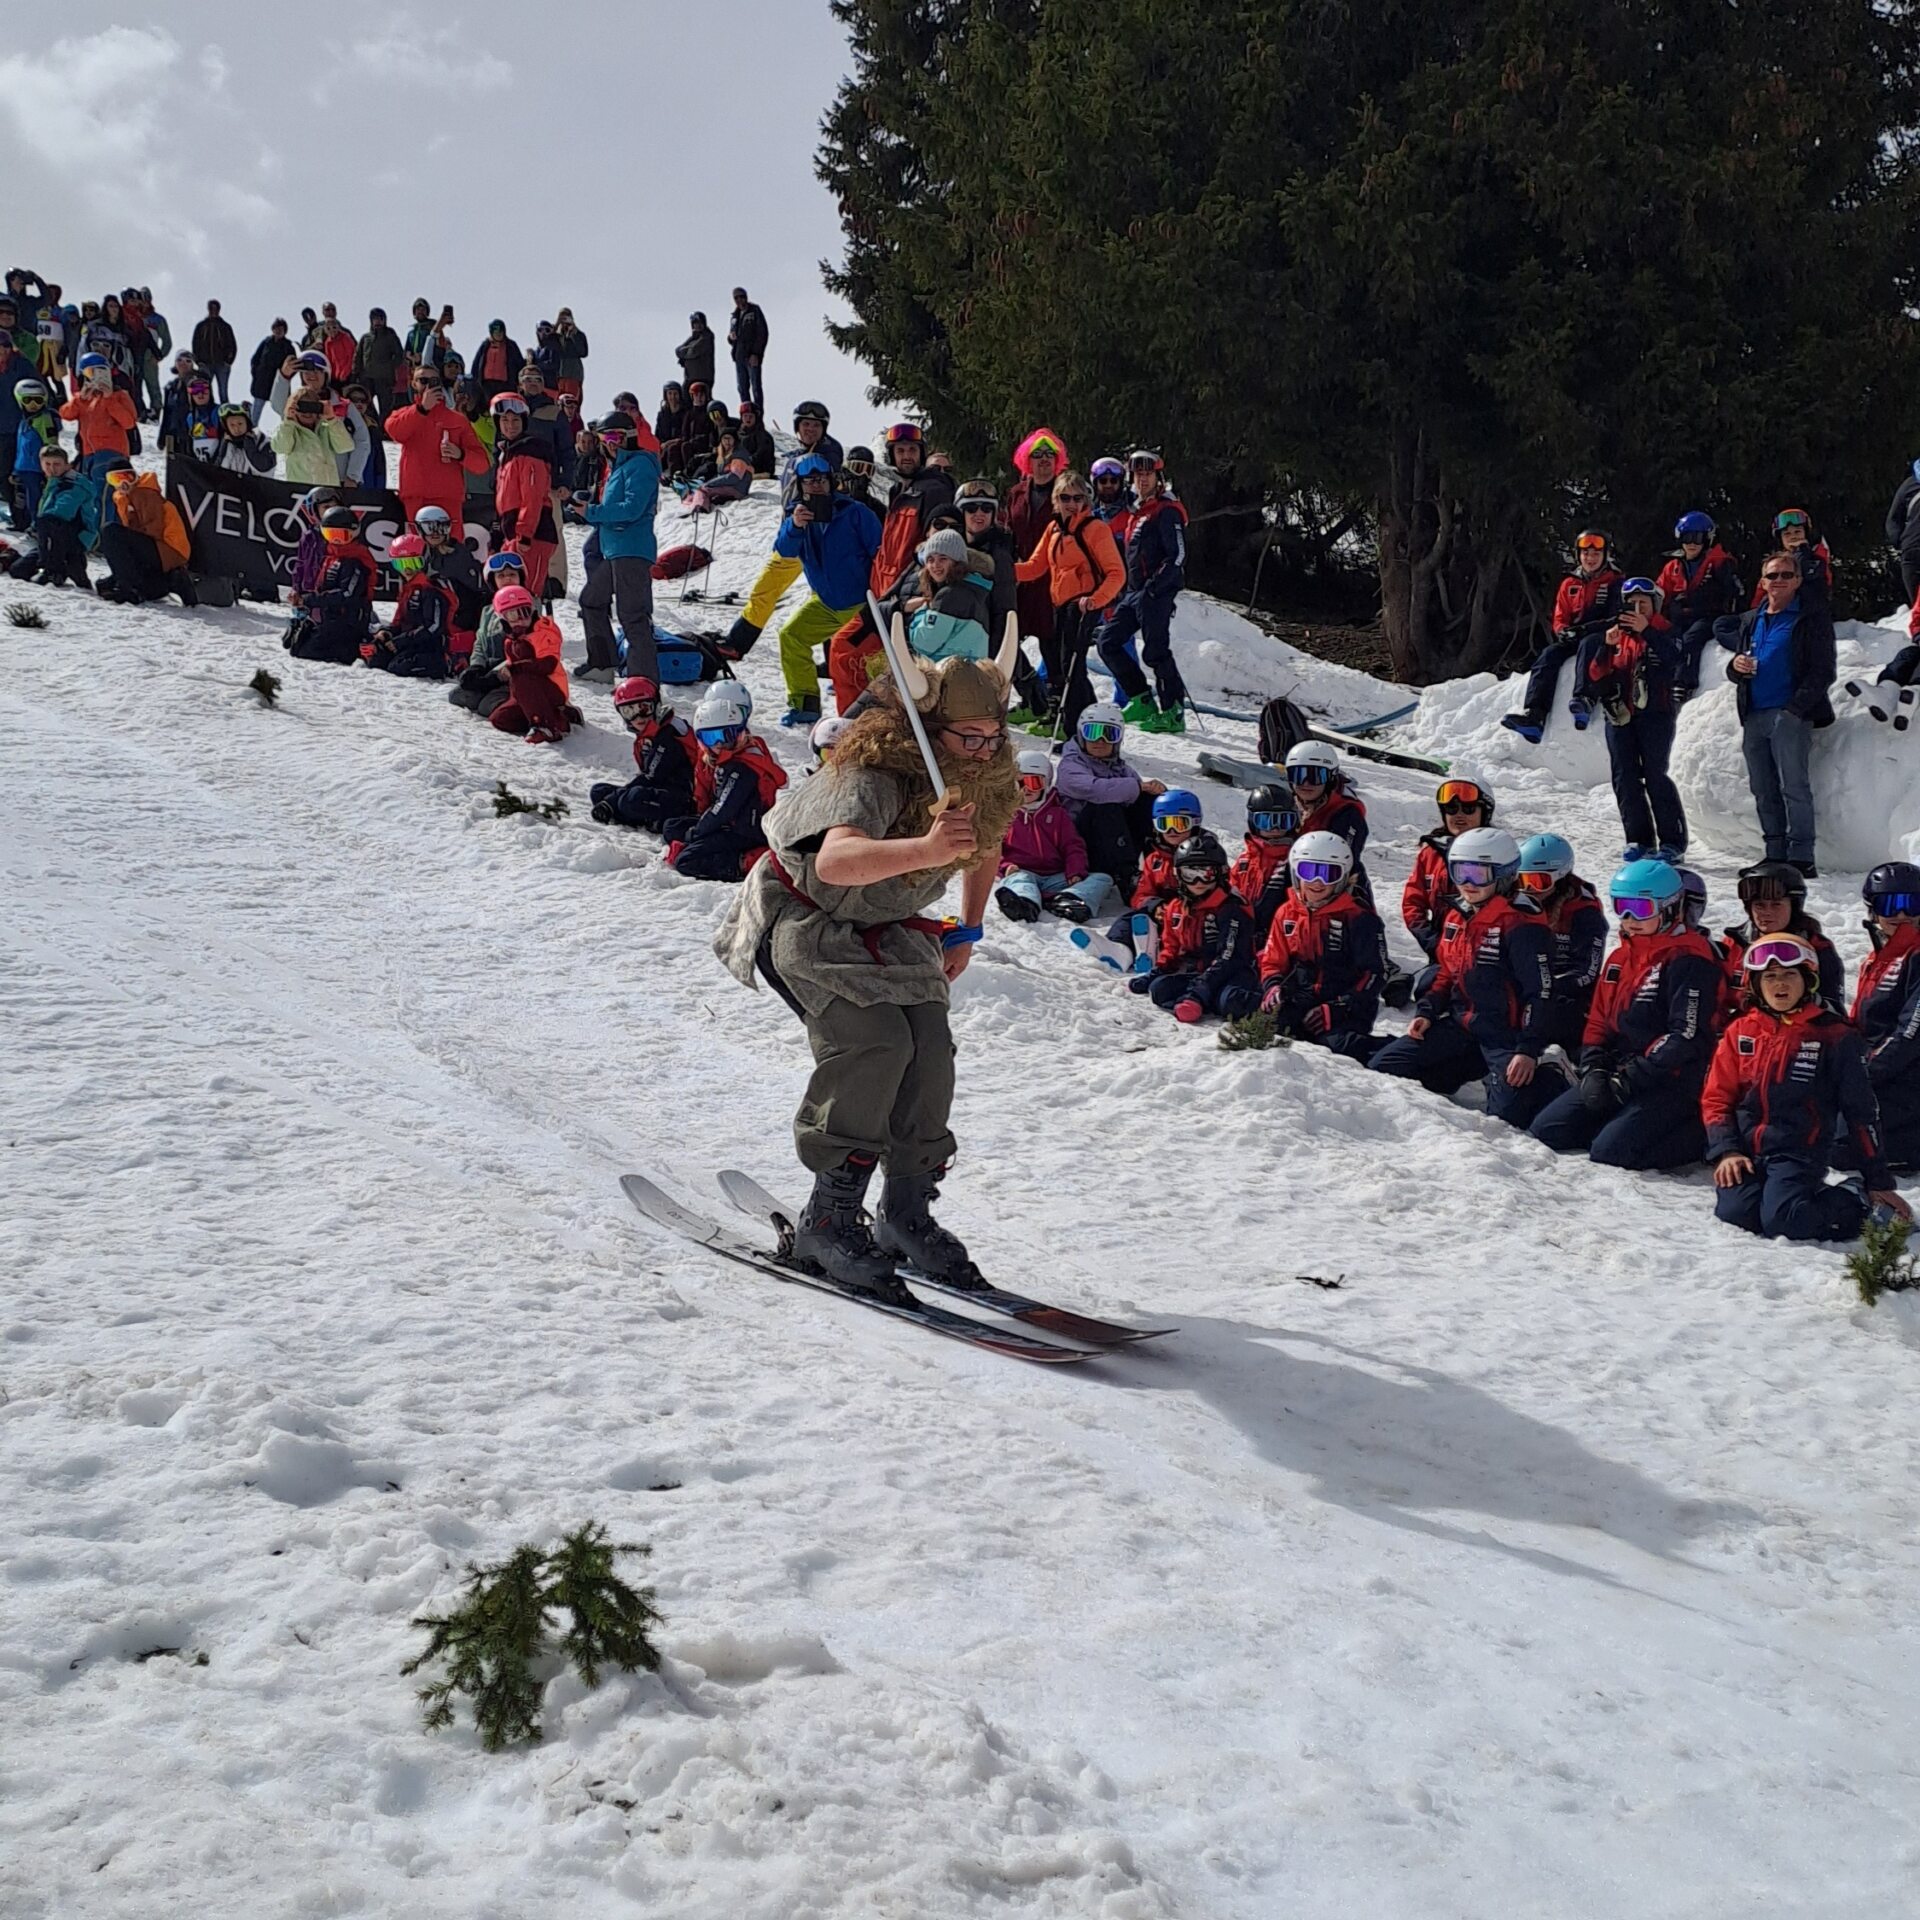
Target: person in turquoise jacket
622	523
66	527
835	540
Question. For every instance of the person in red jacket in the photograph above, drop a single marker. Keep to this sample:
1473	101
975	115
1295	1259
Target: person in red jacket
537	702
336	616
523	490
438	449
1427	898
1629	675
1886	1006
1583	609
1323	958
416	642
1577	925
1206	961
1788	1079
1260	876
735	783
1648	1037
1701	584
1176	813
1774	893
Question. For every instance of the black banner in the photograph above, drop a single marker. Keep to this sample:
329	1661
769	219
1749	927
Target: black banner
243	526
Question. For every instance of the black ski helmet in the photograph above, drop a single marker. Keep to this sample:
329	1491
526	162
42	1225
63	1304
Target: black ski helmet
1895	878
1772	880
1201	852
339	517
812	410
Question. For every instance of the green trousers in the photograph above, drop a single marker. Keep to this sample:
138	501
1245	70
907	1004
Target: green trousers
807	629
882	1084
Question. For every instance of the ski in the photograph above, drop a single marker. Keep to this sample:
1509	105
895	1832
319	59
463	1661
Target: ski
664	1211
757	1203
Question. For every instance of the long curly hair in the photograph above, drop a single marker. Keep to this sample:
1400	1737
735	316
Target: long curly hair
881	738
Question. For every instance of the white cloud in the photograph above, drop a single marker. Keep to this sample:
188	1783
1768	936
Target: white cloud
214	71
404	53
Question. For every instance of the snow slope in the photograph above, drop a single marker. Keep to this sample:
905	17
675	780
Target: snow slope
1561	1563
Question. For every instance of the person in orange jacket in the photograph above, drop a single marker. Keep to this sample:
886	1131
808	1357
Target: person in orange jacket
1084	574
103	415
438	449
143	540
523	490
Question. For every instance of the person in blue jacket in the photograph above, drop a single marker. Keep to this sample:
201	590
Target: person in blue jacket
835	540
1155	550
66	524
622	520
15	368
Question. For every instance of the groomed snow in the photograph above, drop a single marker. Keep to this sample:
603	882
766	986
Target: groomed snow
1561	1564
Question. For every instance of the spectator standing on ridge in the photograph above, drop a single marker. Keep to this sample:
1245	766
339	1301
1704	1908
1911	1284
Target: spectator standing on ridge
569	372
215	347
747	336
381	361
497	365
695	354
268	358
622	518
1038	460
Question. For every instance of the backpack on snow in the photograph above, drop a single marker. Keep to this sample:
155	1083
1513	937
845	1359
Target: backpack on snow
1282	727
682	658
677	562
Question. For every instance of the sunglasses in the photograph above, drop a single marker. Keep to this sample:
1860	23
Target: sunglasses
1778	952
1635	906
1094	731
1538	882
1272	820
1178	822
1071	499
978	505
1474	873
1318	870
1780	573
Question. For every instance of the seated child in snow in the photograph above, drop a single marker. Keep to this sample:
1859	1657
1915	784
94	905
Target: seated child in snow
1578	924
336	614
1427	898
536	704
1205	962
730	480
483	681
414	643
1774	893
1321	964
1648	1036
663	757
451	561
1043	860
1176	813
66	526
1110	803
1789	1078
1261	876
736	781
1886	1006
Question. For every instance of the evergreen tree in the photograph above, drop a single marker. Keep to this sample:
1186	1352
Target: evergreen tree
1498	268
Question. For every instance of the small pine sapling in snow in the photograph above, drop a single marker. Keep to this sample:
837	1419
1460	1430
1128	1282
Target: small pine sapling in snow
490	1641
267	686
23	613
1881	1263
507	803
1252	1033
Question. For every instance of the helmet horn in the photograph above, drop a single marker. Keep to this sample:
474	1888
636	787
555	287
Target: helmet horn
1005	660
917	688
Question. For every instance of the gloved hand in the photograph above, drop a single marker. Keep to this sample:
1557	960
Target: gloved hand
1272	1000
476	679
1317	1021
1598	1094
1139	982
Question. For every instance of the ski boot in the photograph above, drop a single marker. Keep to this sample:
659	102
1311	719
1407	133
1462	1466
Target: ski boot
805	711
1525	725
1142	707
905	1230
1070	906
833	1237
1015	905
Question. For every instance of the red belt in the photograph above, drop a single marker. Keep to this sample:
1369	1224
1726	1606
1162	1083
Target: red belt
869	936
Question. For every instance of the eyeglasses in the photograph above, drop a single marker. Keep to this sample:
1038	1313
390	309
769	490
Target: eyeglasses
1456	795
1538	882
1780	573
1094	731
1272	820
1177	822
975	741
1474	873
1318	870
1888	903
1781	951
1636	906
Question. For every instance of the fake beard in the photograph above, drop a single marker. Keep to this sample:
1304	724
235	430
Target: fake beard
881	738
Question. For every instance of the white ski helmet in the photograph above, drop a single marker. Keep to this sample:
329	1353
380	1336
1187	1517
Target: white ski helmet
725	705
1331	848
1103	713
1493	847
1035	764
1313	756
826	732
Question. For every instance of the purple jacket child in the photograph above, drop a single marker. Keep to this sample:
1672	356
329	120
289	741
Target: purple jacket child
1082	781
1044	840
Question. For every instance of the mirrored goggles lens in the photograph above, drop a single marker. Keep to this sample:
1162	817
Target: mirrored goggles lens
1318	870
505	563
1177	822
1461	793
1884	903
1793	517
1635	906
1098	730
1272	820
638	709
1590	543
1308	776
1538	882
860	468
1752	890
1778	952
1474	873
1033	784
715	736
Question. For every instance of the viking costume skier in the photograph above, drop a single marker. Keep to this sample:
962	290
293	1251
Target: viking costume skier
833	920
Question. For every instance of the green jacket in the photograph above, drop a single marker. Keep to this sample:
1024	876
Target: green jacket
313	453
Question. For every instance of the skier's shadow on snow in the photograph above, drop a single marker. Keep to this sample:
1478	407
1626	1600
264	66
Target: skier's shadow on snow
1399	1443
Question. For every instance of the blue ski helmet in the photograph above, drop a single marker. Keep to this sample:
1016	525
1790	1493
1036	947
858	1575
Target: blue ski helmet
1545	853
1176	800
813	466
1648	880
1694	526
1641	586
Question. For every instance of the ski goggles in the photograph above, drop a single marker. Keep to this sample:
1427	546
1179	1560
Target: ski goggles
859	468
1792	517
1272	820
1094	731
717	736
1764	889
1590	543
1778	950
1327	870
1033	785
974	502
1474	873
1308	776
1890	903
1455	795
505	563
904	435
336	536
1636	906
409	563
1177	822
636	709
1537	882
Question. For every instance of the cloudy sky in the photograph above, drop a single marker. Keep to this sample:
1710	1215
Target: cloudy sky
637	160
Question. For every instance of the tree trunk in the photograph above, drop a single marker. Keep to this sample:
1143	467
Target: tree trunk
1415	540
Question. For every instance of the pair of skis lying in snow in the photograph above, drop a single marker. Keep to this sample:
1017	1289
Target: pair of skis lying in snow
1077	1336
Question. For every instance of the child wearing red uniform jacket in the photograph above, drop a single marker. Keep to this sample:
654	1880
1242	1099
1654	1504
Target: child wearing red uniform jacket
663	757
1788	1077
735	783
1774	893
1321	963
1577	925
1583	609
1427	898
336	614
536	704
1327	803
1648	1037
1886	1006
415	643
1700	584
1176	813
1487	1014
1205	963
1260	876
